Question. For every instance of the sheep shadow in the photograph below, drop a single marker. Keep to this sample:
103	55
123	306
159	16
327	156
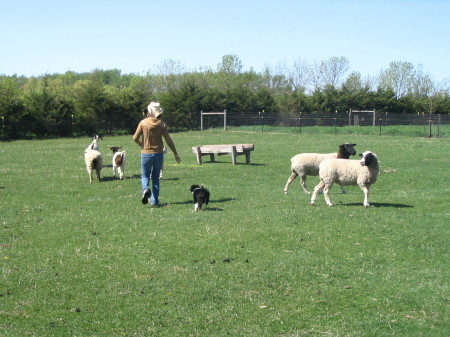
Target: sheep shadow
377	204
387	204
109	178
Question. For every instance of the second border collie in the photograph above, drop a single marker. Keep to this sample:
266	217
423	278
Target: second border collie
201	196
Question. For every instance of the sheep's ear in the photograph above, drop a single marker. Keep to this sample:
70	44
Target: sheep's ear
353	144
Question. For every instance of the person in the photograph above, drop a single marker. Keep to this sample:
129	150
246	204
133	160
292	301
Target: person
148	136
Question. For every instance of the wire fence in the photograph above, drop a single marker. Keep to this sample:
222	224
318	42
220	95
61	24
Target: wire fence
427	125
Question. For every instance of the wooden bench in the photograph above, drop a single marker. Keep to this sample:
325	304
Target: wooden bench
212	150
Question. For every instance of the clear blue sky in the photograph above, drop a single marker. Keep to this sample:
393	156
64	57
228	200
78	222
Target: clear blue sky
54	36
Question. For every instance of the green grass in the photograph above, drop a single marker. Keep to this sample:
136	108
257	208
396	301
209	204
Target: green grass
80	259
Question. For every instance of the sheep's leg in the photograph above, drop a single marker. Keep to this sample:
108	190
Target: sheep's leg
326	191
291	178
316	189
343	190
98	174
303	183
120	169
90	175
114	171
366	195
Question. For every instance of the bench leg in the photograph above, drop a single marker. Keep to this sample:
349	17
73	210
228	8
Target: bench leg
198	155
212	157
233	155
247	157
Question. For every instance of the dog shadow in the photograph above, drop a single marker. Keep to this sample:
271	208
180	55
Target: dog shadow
188	202
212	209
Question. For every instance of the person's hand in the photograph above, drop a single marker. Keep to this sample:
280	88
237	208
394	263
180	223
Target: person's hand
177	158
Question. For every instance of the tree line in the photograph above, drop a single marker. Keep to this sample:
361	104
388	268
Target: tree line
103	101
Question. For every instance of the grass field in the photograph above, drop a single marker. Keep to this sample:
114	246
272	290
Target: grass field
80	259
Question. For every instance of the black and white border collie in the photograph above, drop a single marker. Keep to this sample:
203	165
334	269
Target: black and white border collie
201	196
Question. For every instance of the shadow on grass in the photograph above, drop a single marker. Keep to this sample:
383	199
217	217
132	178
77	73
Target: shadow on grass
229	163
212	209
387	204
105	179
210	202
138	176
377	204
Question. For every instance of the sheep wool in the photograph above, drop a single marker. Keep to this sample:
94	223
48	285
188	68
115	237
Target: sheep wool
347	172
94	162
118	162
307	164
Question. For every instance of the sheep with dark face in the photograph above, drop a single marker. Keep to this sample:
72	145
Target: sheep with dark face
363	172
307	164
118	161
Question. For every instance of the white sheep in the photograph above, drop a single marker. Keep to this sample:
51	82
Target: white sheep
94	161
363	172
118	161
307	164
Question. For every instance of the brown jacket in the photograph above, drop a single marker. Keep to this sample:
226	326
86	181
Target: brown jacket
151	130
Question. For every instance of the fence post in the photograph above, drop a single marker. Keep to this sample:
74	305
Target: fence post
225	120
335	118
73	127
438	126
201	120
262	126
429	133
259	120
300	121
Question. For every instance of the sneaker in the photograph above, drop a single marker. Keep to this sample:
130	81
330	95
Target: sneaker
145	195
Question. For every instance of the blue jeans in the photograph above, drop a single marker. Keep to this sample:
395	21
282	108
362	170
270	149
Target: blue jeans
150	167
